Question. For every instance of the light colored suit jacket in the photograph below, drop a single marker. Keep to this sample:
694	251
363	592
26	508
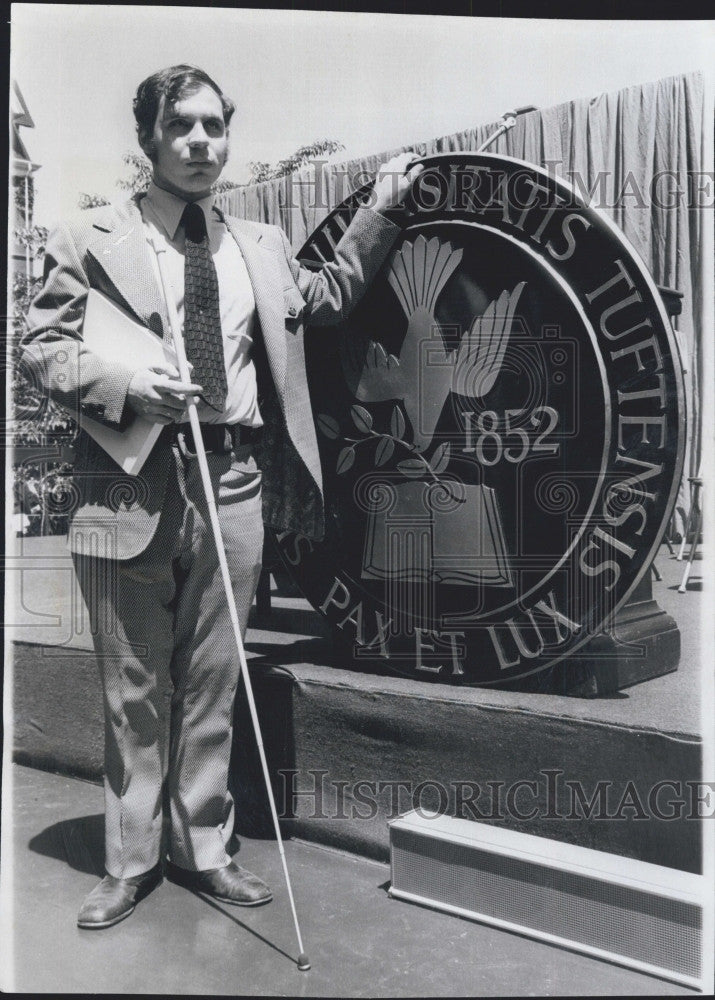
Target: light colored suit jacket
106	249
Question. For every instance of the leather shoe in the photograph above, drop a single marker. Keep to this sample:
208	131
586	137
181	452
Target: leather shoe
231	884
115	898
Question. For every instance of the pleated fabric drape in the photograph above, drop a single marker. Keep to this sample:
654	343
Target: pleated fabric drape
637	154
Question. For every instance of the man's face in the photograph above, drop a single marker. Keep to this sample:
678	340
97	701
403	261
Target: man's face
189	144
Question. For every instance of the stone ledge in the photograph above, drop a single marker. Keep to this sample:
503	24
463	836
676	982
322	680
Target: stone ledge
357	727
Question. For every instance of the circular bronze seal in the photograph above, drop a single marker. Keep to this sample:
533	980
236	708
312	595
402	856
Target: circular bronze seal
500	425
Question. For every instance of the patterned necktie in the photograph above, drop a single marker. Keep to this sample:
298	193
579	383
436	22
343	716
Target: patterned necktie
202	317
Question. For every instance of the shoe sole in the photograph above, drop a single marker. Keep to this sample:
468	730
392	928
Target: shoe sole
212	895
233	902
221	899
102	924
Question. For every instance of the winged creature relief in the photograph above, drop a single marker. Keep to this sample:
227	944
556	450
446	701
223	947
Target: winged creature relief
426	372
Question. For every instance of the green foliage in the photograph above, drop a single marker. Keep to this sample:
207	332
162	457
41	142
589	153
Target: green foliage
40	493
38	422
34	238
21	185
261	171
37	419
140	177
224	185
138	181
92	200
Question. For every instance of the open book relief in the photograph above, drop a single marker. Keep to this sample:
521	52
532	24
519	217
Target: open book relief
422	537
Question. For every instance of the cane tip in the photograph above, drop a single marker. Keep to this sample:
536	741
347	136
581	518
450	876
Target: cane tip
303	963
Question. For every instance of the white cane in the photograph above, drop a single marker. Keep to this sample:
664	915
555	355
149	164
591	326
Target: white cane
303	963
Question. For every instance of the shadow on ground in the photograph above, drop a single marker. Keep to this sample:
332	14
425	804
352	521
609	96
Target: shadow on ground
78	842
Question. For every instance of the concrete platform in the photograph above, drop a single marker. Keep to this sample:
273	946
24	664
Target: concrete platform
360	942
363	728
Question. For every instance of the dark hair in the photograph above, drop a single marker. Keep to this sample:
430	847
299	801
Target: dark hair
172	83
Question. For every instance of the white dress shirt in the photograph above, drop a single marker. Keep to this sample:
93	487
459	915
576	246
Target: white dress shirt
161	212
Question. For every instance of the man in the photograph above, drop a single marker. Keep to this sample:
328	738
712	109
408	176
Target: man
142	547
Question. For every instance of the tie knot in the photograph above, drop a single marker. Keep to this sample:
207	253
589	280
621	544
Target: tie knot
194	222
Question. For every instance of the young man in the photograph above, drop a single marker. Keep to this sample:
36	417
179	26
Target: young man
142	548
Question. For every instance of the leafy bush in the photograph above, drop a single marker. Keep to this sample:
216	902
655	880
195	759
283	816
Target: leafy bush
42	494
300	158
39	426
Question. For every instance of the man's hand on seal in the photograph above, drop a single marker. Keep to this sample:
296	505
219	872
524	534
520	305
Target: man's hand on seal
394	180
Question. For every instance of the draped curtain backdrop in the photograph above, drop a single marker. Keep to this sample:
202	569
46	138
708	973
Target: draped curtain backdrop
638	154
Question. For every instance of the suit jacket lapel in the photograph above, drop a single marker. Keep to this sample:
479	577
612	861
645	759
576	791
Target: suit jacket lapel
122	251
264	272
124	255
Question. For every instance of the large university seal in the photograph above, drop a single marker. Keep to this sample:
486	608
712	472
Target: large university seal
501	430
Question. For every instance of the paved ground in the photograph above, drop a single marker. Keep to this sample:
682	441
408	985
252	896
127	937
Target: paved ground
360	942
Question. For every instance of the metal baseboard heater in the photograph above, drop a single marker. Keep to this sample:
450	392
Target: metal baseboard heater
630	912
